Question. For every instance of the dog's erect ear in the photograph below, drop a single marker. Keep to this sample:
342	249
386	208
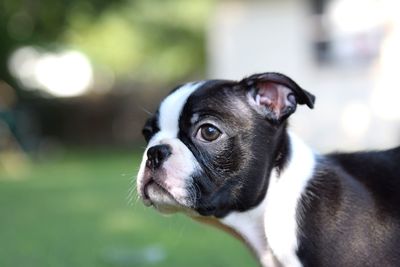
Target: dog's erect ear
276	95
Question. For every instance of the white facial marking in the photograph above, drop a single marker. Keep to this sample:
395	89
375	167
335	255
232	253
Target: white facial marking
177	169
171	108
284	193
272	226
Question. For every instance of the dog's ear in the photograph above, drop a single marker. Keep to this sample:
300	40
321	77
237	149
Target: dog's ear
275	95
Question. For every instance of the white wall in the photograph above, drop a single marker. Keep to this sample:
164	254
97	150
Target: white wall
247	37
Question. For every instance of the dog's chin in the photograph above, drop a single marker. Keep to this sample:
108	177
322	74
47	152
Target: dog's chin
162	200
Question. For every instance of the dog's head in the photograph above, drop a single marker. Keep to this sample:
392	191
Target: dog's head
212	144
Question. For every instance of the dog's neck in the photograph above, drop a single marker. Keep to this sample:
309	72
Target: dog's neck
271	228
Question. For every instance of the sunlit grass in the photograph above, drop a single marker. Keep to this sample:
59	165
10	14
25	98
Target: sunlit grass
74	211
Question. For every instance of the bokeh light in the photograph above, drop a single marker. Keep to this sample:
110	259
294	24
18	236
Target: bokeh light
64	74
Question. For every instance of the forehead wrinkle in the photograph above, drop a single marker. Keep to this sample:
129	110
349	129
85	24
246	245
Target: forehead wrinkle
171	108
223	104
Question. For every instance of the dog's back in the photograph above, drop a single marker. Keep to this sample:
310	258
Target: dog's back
378	171
352	211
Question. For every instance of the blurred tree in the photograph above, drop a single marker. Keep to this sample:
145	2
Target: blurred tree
39	22
146	40
135	44
137	40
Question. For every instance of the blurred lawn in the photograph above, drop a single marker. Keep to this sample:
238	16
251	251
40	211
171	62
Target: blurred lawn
74	211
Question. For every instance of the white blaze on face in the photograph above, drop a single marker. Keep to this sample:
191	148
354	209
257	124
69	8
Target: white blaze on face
180	165
171	108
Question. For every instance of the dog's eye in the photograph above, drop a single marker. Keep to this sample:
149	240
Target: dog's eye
208	133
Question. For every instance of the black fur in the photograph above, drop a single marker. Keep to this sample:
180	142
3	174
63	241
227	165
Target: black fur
350	212
151	127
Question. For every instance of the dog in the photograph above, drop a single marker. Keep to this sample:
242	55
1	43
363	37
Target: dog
220	151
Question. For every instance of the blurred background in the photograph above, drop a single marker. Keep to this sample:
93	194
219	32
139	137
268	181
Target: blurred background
78	79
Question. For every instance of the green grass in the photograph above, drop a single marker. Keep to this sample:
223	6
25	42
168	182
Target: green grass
74	211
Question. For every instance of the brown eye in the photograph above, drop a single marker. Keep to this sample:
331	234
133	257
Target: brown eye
208	133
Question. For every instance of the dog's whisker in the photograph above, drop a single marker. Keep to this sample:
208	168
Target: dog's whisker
132	191
146	111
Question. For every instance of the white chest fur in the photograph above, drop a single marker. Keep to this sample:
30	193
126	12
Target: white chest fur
249	225
272	226
284	193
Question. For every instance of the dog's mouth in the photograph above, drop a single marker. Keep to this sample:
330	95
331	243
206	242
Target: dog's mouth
156	195
150	188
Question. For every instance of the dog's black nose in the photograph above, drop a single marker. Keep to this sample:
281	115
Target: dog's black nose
156	155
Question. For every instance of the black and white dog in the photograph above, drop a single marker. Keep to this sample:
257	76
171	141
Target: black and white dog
220	151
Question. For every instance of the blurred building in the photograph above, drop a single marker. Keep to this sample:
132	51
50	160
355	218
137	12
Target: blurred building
341	50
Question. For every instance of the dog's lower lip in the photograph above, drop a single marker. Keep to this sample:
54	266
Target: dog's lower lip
145	194
152	182
146	198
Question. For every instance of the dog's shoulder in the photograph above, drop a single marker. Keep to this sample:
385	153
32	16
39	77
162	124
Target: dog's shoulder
378	171
350	208
370	163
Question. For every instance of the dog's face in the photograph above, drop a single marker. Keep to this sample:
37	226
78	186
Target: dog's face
212	144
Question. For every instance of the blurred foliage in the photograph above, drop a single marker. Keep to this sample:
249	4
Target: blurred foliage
39	22
145	40
141	40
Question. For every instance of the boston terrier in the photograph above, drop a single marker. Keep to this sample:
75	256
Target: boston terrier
220	151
